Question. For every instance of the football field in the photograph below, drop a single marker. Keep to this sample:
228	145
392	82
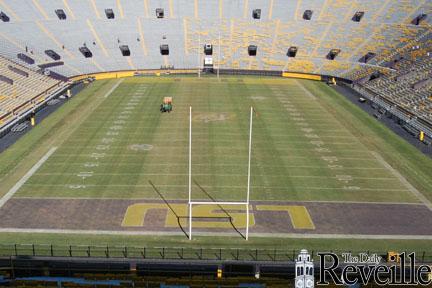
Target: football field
121	166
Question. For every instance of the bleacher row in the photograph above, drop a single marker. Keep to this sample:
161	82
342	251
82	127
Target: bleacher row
187	25
409	81
393	11
386	29
27	89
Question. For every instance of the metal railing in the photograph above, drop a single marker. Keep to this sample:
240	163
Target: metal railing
418	123
174	253
25	109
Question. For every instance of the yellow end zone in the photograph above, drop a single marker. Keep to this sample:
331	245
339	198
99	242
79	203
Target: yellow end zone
211	215
136	213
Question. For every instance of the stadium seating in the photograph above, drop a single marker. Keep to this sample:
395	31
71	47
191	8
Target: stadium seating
28	88
101	27
409	82
384	26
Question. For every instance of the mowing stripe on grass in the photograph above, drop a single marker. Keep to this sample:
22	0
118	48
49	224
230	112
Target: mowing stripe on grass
21	182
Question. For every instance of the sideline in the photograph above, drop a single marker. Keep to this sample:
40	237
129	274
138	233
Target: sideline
213	234
113	88
402	179
24	179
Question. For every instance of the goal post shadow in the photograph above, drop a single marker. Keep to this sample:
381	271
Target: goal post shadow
229	218
170	208
215	202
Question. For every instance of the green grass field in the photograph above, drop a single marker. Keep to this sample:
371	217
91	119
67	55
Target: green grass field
309	144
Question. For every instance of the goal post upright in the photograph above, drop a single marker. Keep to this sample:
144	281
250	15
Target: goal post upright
249	172
191	203
190	173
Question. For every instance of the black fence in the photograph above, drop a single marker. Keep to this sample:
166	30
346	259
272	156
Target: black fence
175	253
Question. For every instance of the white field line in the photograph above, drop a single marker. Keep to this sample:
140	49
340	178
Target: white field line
292	135
113	88
159	142
105	112
311	121
203	155
165	145
271	123
219	165
339	236
181	148
228	141
153	153
176	133
102	113
281	130
216	174
402	179
212	234
218	187
232	142
308	93
22	181
255	202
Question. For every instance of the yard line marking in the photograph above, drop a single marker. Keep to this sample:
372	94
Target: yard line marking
255	202
113	88
217	174
313	121
205	154
210	234
22	181
284	149
198	133
223	187
140	133
275	127
184	138
402	179
221	165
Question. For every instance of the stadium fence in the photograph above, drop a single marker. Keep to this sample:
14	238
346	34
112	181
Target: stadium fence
175	253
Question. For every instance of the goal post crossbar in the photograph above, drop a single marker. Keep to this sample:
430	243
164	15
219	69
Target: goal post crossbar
246	203
217	203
